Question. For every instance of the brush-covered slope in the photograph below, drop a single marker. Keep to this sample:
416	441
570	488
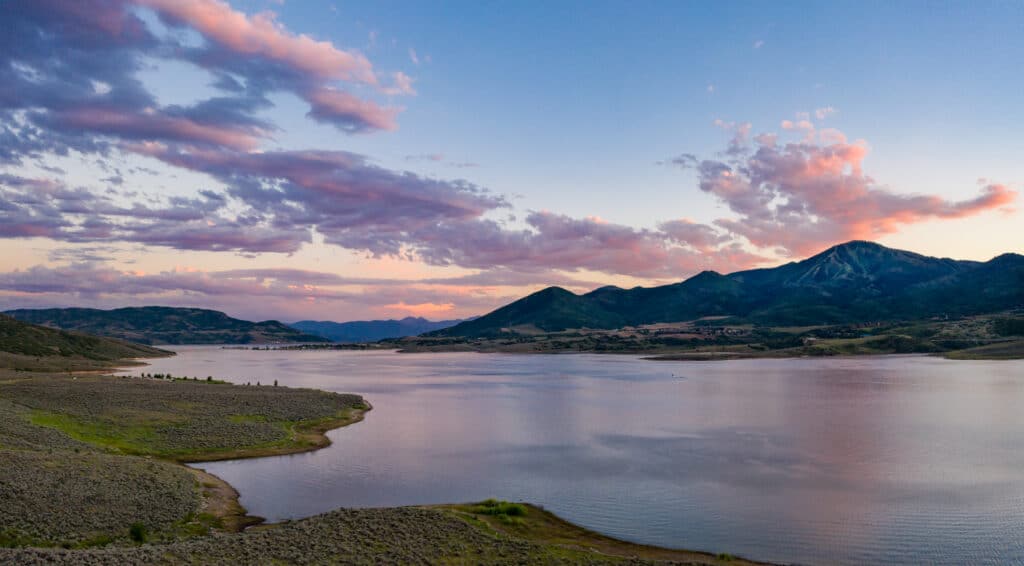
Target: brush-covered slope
165	325
853	282
548	310
371	330
27	346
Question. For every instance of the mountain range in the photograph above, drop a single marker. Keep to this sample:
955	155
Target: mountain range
849	283
371	330
165	325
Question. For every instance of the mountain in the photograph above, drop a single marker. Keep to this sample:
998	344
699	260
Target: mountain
165	325
27	346
853	282
371	330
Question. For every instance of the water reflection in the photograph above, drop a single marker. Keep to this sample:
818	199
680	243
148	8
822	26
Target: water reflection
897	460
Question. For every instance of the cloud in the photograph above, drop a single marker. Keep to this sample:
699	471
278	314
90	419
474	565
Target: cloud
146	125
822	113
437	157
566	243
422	309
402	84
701	237
33	208
262	36
252	294
91	92
352	202
349	113
759	44
806	195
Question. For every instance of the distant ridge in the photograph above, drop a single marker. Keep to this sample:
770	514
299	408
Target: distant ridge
165	325
372	330
853	282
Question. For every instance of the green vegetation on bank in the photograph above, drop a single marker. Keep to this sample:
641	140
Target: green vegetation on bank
92	460
183	420
975	337
403	535
57	491
538	526
27	347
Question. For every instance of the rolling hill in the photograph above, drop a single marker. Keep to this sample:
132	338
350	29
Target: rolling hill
849	283
371	330
28	346
165	325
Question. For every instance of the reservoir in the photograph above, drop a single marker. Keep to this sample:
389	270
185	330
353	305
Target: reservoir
897	459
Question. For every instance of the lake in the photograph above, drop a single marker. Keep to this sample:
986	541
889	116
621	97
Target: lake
902	459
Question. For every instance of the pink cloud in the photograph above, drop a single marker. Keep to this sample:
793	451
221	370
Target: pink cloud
556	240
807	195
154	125
422	309
699	236
402	84
349	112
261	35
291	294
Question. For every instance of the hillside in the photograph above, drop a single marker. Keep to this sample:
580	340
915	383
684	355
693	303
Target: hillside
359	331
165	325
849	283
27	346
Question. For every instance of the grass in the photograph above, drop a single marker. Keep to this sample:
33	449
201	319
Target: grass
508	513
87	457
537	526
184	420
1008	350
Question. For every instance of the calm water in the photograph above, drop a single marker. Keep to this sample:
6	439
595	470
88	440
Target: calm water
840	461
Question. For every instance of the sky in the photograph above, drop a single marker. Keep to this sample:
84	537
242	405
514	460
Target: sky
330	160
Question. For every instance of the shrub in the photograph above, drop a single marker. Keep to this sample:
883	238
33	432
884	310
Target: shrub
504	511
137	532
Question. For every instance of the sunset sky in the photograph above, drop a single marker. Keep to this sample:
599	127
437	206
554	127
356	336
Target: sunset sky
340	161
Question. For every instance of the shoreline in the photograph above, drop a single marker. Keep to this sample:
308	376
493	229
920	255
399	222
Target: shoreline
222	500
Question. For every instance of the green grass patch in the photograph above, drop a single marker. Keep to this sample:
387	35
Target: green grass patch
504	511
120	437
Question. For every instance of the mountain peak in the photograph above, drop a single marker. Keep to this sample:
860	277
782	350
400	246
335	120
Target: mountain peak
868	263
861	244
706	274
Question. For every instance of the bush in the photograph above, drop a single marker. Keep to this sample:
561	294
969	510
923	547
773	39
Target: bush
137	532
502	510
